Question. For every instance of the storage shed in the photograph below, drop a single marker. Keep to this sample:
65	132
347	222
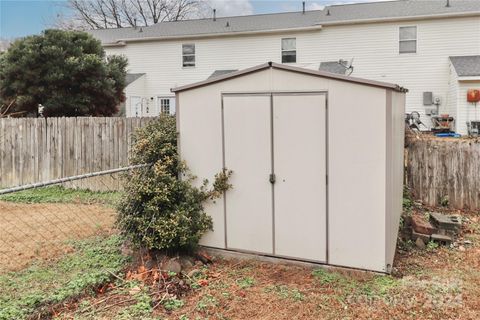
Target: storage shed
317	162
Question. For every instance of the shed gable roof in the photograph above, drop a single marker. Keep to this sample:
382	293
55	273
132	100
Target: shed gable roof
330	15
274	65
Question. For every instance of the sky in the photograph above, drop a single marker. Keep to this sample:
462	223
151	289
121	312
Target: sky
19	18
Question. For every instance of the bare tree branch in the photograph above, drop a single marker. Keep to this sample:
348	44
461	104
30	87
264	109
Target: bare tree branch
5	108
98	14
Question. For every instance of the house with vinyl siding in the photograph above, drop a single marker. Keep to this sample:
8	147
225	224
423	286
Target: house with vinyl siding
414	43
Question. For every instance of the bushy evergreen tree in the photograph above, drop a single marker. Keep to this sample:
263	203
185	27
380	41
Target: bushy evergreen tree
65	71
159	210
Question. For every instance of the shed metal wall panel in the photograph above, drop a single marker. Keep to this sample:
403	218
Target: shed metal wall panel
357	166
299	137
395	127
200	145
247	151
361	222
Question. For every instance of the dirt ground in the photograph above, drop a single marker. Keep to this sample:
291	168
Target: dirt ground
31	231
431	283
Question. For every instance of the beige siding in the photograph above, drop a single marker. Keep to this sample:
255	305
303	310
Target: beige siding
200	127
374	48
357	227
395	165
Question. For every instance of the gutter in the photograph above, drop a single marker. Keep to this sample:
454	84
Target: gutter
123	42
408	18
469	78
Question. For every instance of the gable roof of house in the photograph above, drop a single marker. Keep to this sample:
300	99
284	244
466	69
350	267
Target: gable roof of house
332	66
131	77
466	66
330	15
217	73
273	65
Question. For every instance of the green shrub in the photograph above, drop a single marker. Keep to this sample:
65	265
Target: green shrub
407	199
159	210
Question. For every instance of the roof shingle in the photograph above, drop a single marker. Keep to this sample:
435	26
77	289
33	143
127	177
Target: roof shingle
333	67
466	66
335	14
131	77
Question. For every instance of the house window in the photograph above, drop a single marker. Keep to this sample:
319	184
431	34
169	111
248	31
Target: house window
165	106
408	40
289	50
188	55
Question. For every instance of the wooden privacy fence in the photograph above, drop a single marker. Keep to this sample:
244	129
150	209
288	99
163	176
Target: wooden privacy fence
445	171
38	149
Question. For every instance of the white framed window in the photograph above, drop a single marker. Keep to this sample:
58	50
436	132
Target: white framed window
289	50
407	39
188	55
166	105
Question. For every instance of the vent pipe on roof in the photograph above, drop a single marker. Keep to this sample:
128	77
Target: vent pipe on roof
228	24
214	14
303	5
328	12
448	4
135	23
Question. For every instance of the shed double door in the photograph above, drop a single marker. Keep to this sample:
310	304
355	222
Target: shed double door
276	146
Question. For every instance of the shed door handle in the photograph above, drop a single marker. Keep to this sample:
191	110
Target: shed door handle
272	178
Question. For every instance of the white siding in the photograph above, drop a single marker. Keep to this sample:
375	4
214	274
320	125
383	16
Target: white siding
134	89
450	105
373	46
467	111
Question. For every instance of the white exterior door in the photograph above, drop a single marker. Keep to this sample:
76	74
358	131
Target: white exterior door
135	107
299	153
247	151
149	108
276	146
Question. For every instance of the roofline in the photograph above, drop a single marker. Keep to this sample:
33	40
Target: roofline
463	77
123	42
407	18
274	65
318	26
140	75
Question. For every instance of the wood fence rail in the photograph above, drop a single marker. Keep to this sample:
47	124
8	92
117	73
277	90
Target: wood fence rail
445	171
38	149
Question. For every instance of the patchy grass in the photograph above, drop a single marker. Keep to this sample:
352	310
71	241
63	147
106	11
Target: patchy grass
246	282
60	194
434	283
34	289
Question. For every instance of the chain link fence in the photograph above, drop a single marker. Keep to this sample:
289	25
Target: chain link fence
41	221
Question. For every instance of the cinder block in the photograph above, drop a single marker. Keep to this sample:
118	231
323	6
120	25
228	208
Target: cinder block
424	237
441	238
448	223
419	225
